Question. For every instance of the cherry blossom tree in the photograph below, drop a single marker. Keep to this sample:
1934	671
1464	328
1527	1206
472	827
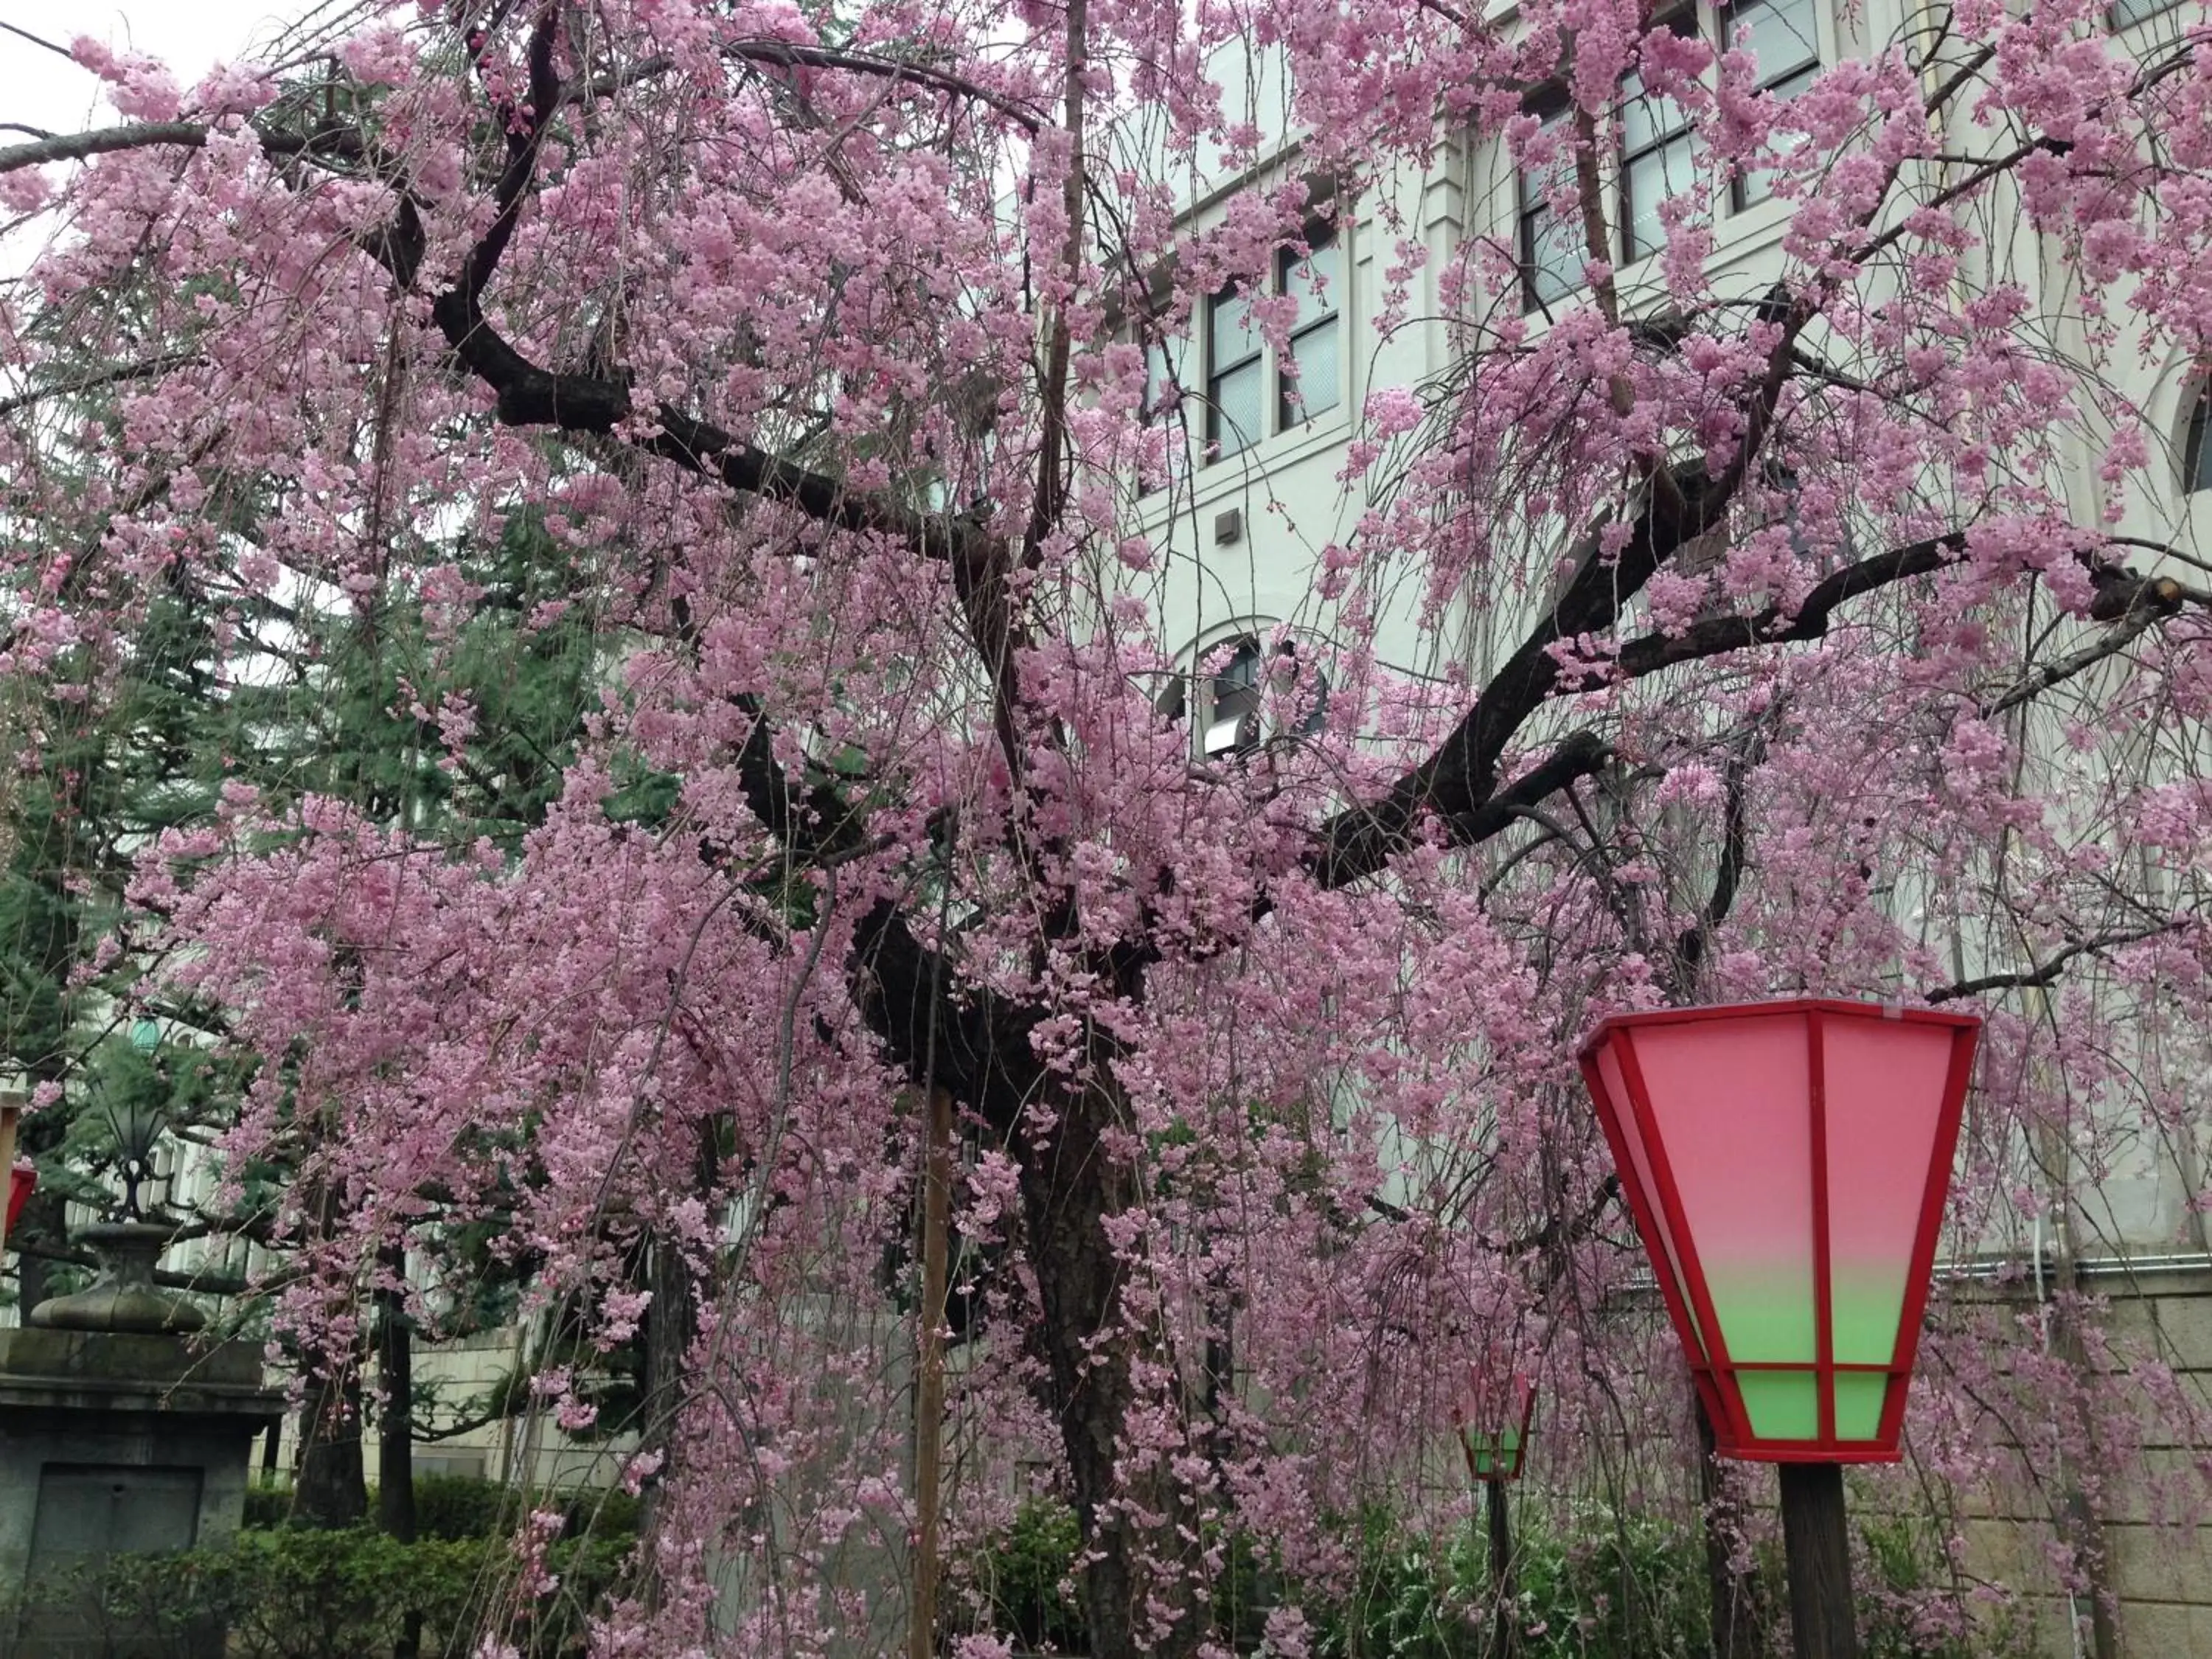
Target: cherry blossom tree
1823	633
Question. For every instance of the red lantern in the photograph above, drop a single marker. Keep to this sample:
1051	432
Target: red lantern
1493	1423
22	1181
1786	1163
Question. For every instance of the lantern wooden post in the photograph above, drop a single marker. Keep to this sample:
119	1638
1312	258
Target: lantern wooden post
1494	1435
1505	1640
929	1373
1816	1543
1786	1163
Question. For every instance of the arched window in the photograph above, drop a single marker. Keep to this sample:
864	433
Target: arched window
2196	443
1241	701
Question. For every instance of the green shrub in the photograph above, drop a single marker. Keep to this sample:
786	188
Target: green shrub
1022	1586
1607	1591
286	1592
267	1506
465	1506
453	1506
1633	1584
303	1593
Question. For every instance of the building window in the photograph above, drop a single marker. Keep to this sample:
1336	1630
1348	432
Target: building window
1784	35
1235	715
1234	374
1163	381
1551	245
1166	458
1309	382
1658	157
2126	14
1312	381
1233	698
2197	445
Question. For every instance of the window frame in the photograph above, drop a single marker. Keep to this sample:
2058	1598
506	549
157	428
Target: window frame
1246	652
1253	672
1290	410
2120	15
1277	380
2196	441
1532	213
1772	82
1685	22
1217	427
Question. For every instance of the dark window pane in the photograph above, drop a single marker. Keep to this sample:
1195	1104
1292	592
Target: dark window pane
1758	184
1552	252
1647	118
2197	455
2126	14
1233	705
1313	377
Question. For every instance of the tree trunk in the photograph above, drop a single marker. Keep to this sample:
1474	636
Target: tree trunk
330	1489
395	1428
1070	1186
1737	1624
929	1383
669	1327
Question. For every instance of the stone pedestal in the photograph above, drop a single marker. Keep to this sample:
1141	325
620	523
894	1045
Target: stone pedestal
119	1435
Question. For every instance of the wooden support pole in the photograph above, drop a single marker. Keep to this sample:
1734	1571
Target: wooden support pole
929	1383
1816	1541
1505	1642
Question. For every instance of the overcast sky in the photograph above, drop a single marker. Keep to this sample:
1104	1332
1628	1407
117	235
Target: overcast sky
39	89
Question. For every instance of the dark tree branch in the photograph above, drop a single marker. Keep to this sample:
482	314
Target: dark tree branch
1735	837
526	138
783	54
1716	636
2114	641
1456	782
104	141
275	142
940	1031
2046	973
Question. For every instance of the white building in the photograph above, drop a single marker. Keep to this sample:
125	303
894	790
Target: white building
1251	496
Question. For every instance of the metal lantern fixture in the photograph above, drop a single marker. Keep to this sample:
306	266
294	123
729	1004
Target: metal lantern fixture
1493	1424
1787	1164
1492	1421
137	1123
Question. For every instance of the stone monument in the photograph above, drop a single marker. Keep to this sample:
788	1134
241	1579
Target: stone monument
119	1434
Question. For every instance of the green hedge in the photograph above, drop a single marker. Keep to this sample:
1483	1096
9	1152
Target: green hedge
451	1506
300	1593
